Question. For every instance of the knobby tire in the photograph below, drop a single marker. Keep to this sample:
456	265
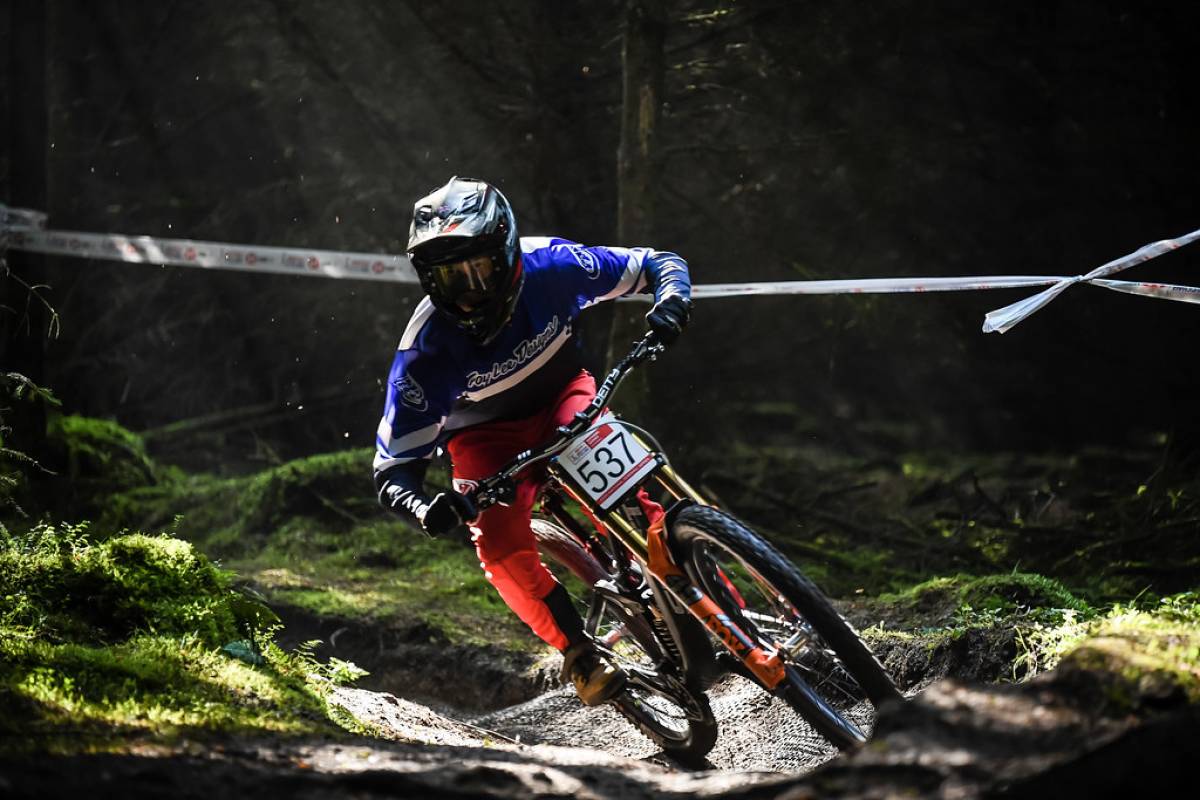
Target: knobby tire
701	524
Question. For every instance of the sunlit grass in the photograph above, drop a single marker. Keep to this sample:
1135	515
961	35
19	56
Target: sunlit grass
1157	642
420	580
101	642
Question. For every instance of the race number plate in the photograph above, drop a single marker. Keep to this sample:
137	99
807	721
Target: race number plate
607	462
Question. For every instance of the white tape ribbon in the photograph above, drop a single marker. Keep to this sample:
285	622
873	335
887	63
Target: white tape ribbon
872	285
24	230
211	255
1003	319
1166	291
20	219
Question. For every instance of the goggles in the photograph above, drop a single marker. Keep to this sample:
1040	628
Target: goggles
470	283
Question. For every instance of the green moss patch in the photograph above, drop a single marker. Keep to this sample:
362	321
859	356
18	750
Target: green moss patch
966	599
95	458
311	534
59	586
386	572
331	490
1156	645
859	514
132	636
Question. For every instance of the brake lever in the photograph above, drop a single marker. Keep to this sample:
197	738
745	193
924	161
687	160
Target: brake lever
502	492
506	492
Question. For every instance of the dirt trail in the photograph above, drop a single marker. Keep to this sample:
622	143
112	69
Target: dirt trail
1048	738
367	769
758	731
1055	736
517	699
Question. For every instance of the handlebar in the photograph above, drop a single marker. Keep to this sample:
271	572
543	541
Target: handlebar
500	488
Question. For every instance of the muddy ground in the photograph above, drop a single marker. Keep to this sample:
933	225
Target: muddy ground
957	736
1046	738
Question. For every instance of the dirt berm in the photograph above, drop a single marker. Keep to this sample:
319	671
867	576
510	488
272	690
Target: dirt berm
1073	732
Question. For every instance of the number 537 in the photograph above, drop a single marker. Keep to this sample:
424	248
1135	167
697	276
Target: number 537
608	461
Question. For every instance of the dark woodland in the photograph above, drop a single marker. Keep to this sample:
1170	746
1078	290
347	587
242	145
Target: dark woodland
795	141
882	441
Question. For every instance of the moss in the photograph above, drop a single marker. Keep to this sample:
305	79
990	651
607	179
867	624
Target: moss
332	488
386	571
1146	656
1015	593
310	533
123	637
59	585
96	457
72	696
329	491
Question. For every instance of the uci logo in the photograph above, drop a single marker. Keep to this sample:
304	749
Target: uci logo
411	394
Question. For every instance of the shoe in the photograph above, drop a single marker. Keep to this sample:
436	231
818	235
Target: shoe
596	681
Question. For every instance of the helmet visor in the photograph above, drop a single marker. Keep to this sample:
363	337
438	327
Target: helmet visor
469	284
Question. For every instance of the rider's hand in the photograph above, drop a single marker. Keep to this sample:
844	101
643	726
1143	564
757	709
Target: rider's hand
447	511
669	317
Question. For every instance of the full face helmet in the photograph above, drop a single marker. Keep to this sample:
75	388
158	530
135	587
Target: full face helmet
463	246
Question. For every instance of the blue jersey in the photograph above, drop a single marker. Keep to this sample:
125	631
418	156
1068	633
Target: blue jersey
441	381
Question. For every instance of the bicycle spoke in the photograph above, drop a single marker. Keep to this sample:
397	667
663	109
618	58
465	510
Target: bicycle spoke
775	623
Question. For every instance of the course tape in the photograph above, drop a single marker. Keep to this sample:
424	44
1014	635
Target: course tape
872	285
211	255
1003	319
24	229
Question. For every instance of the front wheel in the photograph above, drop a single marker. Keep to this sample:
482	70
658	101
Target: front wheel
828	669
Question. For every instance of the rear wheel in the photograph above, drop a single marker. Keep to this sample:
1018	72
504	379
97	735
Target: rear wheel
828	669
655	700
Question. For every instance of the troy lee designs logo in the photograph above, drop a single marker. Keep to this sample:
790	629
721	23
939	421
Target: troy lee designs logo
411	393
586	259
522	353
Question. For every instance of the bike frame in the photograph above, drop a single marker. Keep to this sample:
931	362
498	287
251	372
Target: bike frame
650	548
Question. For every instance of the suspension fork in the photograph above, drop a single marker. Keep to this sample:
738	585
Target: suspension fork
766	667
672	588
625	540
668	583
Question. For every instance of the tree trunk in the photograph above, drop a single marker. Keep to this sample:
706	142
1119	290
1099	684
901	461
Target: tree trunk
641	97
642	87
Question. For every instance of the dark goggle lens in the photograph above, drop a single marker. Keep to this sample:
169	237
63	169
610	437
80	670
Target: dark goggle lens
469	283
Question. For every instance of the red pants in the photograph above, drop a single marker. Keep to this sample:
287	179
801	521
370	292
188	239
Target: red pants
505	544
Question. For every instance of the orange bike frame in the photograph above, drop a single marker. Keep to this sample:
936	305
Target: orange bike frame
650	549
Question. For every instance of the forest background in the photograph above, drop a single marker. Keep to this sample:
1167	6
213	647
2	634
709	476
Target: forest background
795	140
976	504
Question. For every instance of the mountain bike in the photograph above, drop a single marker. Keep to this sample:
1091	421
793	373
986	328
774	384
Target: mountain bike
680	599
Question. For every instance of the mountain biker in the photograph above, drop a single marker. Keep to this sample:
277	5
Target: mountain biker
487	368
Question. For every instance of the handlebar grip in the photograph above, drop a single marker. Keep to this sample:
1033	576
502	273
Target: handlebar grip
502	493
